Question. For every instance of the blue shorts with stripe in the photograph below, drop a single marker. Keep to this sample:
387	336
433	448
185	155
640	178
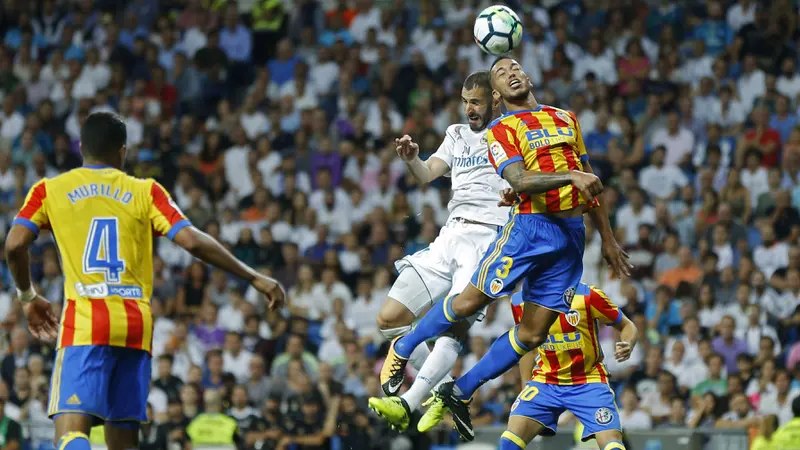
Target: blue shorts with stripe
543	252
592	403
109	384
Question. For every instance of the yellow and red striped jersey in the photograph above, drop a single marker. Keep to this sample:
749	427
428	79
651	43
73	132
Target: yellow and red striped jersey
104	221
572	354
546	139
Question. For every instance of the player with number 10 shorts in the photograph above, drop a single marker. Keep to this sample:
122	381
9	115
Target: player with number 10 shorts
569	375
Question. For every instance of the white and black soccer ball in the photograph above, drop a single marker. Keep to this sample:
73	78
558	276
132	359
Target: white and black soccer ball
497	30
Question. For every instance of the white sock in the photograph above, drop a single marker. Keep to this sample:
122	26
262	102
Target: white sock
419	355
435	370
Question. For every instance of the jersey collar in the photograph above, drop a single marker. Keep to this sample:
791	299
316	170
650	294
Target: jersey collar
96	166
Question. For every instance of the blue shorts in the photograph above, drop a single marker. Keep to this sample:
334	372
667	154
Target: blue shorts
110	384
543	252
592	403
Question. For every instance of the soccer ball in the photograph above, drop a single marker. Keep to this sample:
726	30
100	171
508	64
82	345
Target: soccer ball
497	30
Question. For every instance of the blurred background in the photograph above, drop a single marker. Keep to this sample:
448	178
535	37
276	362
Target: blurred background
272	124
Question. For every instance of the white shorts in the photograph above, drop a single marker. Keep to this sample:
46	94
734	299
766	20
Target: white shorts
444	268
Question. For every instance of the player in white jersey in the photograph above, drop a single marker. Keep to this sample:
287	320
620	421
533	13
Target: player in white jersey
446	266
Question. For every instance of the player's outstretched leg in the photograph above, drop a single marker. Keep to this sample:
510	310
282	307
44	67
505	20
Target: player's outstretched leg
435	322
397	410
506	352
408	299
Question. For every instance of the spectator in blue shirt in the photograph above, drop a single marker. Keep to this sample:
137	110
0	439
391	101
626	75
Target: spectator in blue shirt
336	31
597	144
783	119
235	39
282	67
714	31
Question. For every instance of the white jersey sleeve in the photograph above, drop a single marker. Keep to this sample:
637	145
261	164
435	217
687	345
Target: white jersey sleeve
447	147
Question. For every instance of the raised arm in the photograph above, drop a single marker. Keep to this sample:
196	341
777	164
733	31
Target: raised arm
168	220
616	258
424	171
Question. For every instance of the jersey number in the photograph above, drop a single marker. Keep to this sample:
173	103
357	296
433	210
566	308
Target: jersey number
505	268
528	393
101	254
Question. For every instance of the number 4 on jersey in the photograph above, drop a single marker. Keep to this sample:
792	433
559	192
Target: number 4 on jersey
101	254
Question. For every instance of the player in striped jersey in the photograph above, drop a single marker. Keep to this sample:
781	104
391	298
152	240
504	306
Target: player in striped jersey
569	374
104	222
539	150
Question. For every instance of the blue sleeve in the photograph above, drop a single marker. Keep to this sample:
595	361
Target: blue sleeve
505	164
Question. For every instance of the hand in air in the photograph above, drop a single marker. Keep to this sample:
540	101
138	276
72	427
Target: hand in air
622	351
616	258
273	290
42	321
587	183
507	197
406	148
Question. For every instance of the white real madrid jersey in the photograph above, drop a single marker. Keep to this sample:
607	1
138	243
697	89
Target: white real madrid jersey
476	186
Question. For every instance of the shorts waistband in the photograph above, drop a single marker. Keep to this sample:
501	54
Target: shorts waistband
569	221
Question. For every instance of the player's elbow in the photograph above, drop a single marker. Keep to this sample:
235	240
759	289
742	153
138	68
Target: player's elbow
189	239
17	242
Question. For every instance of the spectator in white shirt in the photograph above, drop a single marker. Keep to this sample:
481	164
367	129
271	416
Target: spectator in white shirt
659	180
235	160
751	83
328	289
367	16
771	254
728	111
755	328
697	66
779	401
383	195
788	82
235	359
635	214
678	140
95	70
252	120
741	14
11	121
754	176
631	416
597	61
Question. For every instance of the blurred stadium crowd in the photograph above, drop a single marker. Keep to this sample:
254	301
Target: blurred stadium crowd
272	123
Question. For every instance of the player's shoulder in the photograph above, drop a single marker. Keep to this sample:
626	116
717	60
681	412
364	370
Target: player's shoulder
506	119
596	294
563	114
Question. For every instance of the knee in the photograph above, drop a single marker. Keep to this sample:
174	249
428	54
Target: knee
531	337
467	303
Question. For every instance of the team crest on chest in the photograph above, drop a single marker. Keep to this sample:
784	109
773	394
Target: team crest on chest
573	317
563	116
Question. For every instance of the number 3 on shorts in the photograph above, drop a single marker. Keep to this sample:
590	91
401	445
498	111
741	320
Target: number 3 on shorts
505	268
528	393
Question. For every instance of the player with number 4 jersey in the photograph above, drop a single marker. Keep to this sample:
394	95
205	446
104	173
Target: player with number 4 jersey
104	222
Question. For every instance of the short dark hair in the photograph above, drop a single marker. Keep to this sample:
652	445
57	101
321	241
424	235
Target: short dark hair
497	60
479	79
102	135
796	407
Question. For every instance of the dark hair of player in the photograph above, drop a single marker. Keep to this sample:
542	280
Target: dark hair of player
479	79
102	136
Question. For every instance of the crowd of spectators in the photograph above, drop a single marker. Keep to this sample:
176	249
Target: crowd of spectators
272	123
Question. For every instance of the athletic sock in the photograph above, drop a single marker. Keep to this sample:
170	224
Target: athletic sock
435	369
435	322
506	352
614	445
419	356
74	440
510	441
